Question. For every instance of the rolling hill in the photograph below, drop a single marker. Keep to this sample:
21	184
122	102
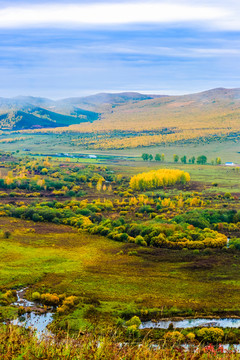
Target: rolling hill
129	120
26	112
30	117
205	116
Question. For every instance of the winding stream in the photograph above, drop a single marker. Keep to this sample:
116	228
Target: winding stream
37	320
191	323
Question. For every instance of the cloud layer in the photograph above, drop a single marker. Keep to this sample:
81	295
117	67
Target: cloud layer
59	50
62	15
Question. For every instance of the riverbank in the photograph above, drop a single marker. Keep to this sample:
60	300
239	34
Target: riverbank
18	343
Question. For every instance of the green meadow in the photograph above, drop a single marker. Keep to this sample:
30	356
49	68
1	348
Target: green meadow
107	256
103	273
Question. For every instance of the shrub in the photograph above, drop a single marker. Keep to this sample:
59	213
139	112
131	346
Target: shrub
132	253
196	251
227	195
140	240
134	321
234	243
191	336
36	296
9	297
146	209
174	337
50	299
133	331
6	234
120	252
214	335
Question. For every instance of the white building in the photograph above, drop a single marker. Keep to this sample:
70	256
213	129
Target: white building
229	163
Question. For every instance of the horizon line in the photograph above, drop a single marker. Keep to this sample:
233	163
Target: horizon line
110	92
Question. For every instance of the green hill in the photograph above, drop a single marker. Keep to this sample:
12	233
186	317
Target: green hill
36	118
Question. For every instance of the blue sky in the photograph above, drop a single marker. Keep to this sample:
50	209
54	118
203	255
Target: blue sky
56	49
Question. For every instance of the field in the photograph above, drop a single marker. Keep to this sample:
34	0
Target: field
57	259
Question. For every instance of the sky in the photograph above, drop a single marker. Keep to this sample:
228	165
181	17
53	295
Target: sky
60	49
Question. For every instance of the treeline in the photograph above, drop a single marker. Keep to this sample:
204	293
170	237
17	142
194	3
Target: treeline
200	160
43	175
90	217
205	218
158	178
158	157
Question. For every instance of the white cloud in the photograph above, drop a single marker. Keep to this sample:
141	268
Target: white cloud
60	15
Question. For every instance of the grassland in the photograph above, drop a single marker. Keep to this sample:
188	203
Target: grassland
122	252
18	343
114	276
211	116
196	120
227	150
55	258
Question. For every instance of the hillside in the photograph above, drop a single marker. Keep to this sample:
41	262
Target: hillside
206	115
36	118
106	101
129	120
26	112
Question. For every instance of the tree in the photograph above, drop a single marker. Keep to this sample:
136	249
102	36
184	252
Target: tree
145	157
104	187
150	157
193	159
184	159
201	159
218	161
163	157
175	158
158	157
99	185
157	179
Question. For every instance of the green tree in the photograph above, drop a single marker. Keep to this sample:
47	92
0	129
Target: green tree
175	158
145	157
202	160
150	157
184	159
193	159
158	157
218	161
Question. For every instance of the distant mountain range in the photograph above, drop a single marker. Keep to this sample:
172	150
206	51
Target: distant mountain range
26	112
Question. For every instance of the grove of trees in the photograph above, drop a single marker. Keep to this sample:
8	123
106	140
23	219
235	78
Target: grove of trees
158	178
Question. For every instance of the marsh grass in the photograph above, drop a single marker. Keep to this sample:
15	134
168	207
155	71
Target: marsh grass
18	344
155	283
